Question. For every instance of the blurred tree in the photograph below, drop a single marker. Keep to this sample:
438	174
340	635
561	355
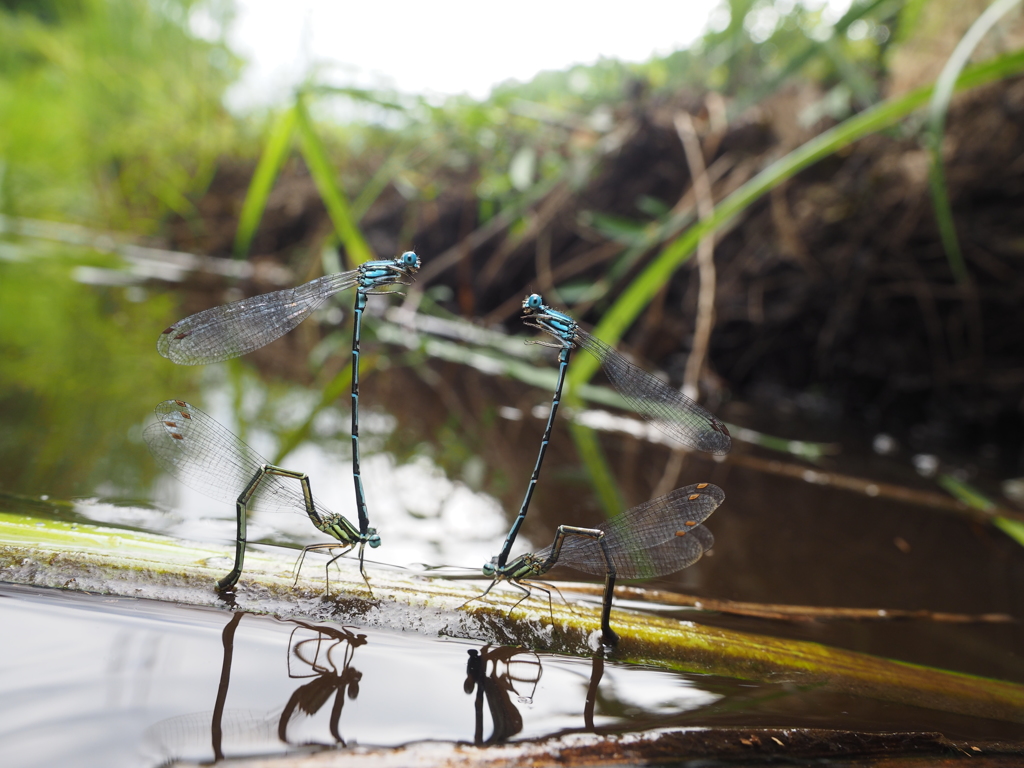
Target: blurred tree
112	109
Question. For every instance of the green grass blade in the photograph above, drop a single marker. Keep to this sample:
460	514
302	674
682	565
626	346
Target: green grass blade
332	393
885	114
937	111
601	476
944	211
356	248
861	86
1012	528
975	499
811	50
269	166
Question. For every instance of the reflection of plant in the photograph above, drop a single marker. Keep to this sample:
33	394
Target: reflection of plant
78	370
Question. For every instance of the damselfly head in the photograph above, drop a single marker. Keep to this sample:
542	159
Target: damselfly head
491	568
373	539
410	261
533	303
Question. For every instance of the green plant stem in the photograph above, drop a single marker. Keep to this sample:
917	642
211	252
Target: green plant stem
123	562
975	499
590	453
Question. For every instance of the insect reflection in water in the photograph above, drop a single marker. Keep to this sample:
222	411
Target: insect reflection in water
319	654
494	673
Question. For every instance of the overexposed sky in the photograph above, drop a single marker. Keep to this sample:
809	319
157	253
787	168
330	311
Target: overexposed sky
444	47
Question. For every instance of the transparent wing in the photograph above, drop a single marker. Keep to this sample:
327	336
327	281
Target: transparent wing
210	459
190	737
666	408
235	329
652	539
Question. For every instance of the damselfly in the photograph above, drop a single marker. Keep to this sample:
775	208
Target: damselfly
209	458
652	539
235	329
666	408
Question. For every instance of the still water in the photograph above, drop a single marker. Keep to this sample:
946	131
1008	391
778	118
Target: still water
117	682
448	448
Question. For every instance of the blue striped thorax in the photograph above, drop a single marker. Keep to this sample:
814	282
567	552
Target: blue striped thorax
558	324
373	274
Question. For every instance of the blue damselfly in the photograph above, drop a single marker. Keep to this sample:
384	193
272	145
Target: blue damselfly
209	458
666	408
235	329
652	539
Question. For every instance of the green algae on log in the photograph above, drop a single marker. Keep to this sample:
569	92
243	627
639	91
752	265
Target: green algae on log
128	563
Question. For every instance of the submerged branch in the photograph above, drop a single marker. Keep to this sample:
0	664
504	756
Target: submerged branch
122	562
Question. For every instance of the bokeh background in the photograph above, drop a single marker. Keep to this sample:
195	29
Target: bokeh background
805	214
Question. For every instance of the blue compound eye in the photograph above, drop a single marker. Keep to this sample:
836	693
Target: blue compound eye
534	301
374	541
489	570
410	259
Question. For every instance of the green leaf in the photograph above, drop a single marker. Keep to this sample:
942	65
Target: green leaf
271	161
975	499
933	139
325	177
601	475
618	228
1012	528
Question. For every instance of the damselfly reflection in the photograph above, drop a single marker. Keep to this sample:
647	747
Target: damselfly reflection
321	654
320	651
494	673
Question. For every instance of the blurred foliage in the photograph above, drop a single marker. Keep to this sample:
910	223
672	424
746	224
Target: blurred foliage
113	115
527	136
112	109
79	372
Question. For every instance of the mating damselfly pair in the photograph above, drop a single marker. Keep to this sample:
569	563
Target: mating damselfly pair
209	458
653	539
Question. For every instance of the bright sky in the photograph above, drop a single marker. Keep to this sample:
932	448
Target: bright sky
447	46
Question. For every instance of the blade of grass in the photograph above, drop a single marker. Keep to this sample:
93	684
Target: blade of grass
811	50
590	453
496	361
332	392
270	164
379	182
973	498
356	248
885	114
936	129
